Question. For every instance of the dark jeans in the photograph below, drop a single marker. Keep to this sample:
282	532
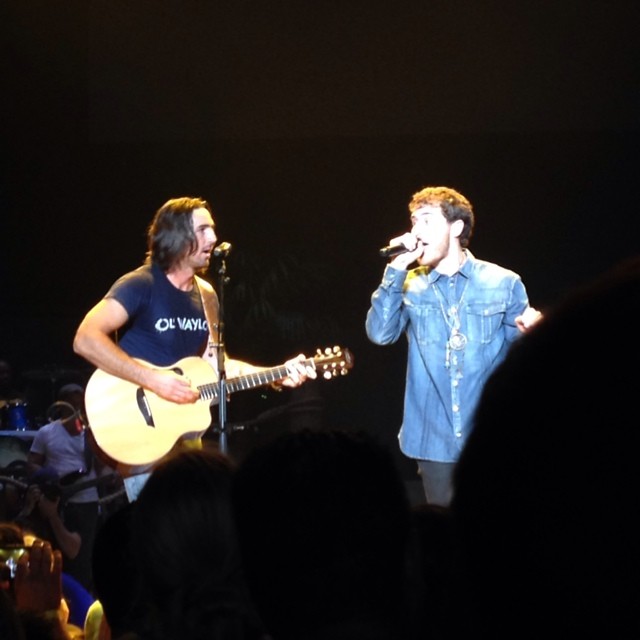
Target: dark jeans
437	481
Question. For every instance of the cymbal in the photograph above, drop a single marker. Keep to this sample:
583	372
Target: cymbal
51	373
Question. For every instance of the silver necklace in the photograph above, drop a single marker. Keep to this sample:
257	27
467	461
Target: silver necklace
457	340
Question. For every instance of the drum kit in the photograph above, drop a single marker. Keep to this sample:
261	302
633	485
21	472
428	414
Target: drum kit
13	415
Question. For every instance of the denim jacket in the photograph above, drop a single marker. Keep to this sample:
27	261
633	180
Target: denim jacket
443	385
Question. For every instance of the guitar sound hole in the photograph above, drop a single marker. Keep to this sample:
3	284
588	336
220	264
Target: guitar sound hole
143	405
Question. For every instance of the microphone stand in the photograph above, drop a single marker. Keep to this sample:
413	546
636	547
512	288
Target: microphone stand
222	375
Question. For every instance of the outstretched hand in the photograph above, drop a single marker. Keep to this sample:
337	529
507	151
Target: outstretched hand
528	319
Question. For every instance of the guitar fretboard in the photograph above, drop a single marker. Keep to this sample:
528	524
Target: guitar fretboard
211	391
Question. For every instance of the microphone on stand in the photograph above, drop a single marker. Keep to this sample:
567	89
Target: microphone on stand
222	250
393	250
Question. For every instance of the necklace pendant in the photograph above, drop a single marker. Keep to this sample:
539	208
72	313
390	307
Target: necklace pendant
457	341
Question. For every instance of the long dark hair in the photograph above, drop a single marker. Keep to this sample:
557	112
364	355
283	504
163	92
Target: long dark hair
185	544
170	235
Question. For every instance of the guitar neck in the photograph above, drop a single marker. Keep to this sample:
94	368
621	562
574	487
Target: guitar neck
211	391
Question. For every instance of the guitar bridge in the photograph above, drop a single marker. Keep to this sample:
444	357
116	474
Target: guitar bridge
144	407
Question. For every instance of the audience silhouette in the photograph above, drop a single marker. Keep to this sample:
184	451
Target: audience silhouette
185	547
323	519
116	581
432	560
546	490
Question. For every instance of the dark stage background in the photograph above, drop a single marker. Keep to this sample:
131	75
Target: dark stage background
307	126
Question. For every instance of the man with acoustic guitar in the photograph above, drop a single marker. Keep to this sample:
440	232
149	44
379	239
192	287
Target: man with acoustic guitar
162	308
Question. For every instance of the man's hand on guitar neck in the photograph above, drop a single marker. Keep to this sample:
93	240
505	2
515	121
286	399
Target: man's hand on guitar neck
299	371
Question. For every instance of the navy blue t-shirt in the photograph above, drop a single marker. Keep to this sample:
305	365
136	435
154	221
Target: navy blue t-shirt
165	323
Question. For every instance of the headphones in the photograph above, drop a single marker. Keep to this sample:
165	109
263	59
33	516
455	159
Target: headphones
65	412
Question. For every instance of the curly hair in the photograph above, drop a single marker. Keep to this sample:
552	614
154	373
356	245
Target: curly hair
453	204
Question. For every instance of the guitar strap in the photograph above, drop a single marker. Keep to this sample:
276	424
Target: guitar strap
210	305
88	454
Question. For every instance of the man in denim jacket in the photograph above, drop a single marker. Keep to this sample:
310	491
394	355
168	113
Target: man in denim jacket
459	315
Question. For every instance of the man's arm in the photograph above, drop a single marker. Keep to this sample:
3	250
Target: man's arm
94	343
35	462
69	542
384	323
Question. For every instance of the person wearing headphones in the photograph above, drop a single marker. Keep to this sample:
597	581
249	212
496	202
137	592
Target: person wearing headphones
61	445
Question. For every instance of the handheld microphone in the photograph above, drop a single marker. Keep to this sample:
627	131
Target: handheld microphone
393	251
222	250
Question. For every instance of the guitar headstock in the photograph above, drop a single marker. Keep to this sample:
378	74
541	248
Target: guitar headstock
332	362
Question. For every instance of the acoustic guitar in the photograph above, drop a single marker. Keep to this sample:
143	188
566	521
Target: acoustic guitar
134	426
